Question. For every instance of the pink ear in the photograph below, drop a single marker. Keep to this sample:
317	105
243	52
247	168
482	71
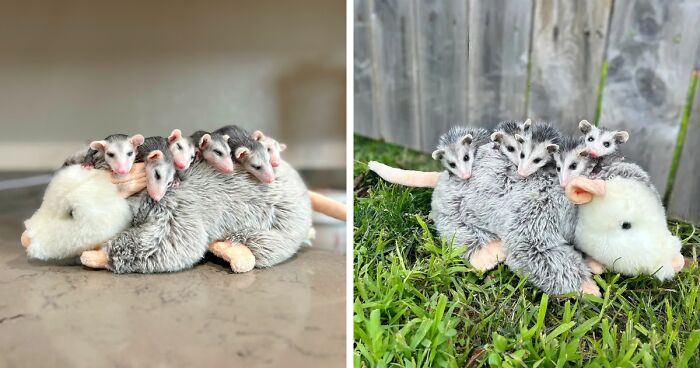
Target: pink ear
241	152
136	140
98	145
204	141
258	135
174	135
283	147
155	155
581	190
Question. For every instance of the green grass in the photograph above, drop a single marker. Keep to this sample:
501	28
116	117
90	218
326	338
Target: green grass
417	303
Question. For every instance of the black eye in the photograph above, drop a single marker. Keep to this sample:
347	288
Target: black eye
537	160
452	164
157	175
192	158
179	147
218	153
170	183
626	225
269	149
130	153
572	166
558	168
590	139
466	157
256	167
522	155
110	154
510	148
606	144
70	213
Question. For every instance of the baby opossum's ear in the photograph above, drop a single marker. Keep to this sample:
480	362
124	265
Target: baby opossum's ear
174	135
136	140
621	137
155	155
257	135
526	125
226	137
467	139
552	148
438	154
283	147
98	145
241	152
204	141
497	136
585	126
519	138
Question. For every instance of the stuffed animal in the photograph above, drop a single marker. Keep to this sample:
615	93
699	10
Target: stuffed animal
622	227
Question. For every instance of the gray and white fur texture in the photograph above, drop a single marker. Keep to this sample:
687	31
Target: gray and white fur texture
603	143
214	148
160	169
117	152
174	233
573	160
182	148
537	145
248	150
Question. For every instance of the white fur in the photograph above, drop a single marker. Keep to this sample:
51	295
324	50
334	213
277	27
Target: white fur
647	247
99	214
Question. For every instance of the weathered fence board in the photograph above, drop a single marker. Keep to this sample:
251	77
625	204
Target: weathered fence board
684	203
442	35
650	54
499	43
362	69
393	28
568	42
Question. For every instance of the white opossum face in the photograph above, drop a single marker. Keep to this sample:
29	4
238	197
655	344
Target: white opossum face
216	151
457	158
274	149
159	174
256	162
508	146
533	155
81	208
602	142
119	154
182	148
571	164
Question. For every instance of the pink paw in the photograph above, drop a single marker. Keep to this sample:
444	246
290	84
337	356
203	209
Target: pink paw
488	257
588	286
678	262
596	267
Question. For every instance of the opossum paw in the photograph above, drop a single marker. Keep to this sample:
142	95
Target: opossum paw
678	262
94	258
596	267
488	257
242	260
588	286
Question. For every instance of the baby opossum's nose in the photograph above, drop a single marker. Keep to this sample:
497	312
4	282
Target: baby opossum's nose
594	153
25	240
522	173
122	169
274	163
466	176
180	165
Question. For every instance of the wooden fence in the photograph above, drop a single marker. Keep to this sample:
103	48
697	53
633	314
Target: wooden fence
423	65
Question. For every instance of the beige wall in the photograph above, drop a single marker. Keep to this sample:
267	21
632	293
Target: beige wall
72	71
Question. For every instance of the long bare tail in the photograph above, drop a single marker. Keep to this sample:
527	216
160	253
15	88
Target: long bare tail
410	178
328	206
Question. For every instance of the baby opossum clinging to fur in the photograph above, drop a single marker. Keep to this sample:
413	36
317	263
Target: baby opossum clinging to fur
160	171
602	141
182	148
116	152
537	145
573	159
214	148
248	151
457	149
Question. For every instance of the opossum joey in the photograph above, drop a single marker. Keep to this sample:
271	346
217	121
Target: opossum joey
573	160
602	141
457	149
182	149
255	159
118	151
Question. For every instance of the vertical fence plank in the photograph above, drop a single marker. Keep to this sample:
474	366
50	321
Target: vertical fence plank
651	51
499	41
362	72
442	36
393	29
568	43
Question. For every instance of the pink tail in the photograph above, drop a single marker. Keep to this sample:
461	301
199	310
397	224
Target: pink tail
409	178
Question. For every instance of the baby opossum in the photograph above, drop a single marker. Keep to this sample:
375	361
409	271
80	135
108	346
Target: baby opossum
248	151
274	148
182	149
573	159
116	152
214	148
603	144
160	171
457	149
537	145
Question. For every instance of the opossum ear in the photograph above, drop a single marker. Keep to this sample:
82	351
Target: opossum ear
497	136
526	125
283	147
519	138
582	190
226	137
585	126
136	140
174	135
257	135
552	148
98	145
241	152
467	139
621	137
204	141
154	155
438	154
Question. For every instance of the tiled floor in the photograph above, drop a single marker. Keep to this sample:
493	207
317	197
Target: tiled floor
291	315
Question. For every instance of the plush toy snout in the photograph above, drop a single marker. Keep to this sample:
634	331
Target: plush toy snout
25	240
581	190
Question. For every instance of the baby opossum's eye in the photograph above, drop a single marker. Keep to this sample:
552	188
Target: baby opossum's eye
510	148
522	155
558	168
256	167
218	153
606	144
590	139
110	154
452	164
179	147
537	160
170	183
572	166
130	153
466	157
626	225
157	175
70	213
192	158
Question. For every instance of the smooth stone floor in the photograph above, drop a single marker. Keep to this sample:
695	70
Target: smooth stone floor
291	315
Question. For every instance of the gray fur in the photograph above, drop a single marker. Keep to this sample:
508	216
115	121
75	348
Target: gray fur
160	173
257	160
174	234
457	148
573	159
96	158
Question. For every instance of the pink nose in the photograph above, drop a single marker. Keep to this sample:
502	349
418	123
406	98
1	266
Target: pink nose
522	173
25	240
122	170
274	163
594	154
466	176
268	179
225	168
155	196
180	165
